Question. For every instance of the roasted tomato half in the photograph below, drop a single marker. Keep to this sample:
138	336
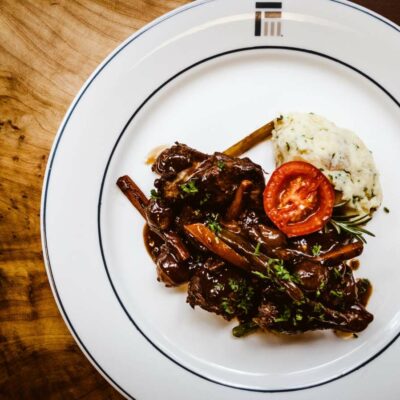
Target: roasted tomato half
298	198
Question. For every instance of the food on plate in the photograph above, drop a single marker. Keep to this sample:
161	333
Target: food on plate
278	255
339	153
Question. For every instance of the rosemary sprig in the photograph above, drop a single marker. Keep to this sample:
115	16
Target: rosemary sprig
352	225
341	204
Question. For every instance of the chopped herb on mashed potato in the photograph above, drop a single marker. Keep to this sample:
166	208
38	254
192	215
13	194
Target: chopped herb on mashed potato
338	153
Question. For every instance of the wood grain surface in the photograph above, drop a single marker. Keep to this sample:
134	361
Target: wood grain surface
48	48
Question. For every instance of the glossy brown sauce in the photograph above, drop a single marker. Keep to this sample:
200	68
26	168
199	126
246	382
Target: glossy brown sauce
354	264
152	241
345	335
154	153
364	297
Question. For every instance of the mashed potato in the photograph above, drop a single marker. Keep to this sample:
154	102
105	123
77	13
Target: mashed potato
338	153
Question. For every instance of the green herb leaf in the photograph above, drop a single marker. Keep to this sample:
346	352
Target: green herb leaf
316	250
260	274
219	286
226	306
281	271
233	284
154	194
285	316
337	273
220	165
257	249
189	187
213	223
246	302
351	224
337	293
299	317
318	307
244	329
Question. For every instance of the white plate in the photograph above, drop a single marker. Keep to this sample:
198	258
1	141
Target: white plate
203	76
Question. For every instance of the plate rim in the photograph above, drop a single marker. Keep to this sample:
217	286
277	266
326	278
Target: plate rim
53	151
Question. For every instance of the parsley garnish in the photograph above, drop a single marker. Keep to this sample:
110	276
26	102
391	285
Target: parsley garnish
241	301
321	288
213	223
257	249
337	293
337	273
233	284
220	165
285	316
226	307
318	308
316	250
189	187
260	274
246	301
219	286
281	271
154	194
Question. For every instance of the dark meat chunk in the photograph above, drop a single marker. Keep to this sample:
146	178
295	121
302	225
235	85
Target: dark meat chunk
220	176
189	215
326	240
355	319
159	215
271	237
312	276
282	317
169	270
225	291
175	159
341	290
341	253
358	318
213	182
272	240
250	218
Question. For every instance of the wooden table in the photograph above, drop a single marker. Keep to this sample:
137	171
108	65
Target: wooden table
48	48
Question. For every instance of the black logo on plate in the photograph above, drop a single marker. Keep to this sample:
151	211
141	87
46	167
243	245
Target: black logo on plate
268	19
